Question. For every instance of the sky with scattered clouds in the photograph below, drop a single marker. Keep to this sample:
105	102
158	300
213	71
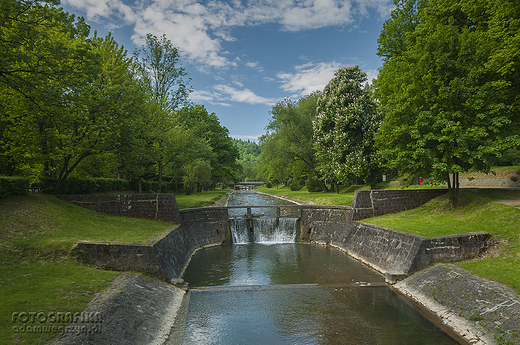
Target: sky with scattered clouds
243	56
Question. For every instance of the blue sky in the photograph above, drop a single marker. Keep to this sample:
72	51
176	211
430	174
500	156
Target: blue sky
244	56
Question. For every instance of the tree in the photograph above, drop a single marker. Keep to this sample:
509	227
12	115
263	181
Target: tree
344	128
206	126
249	159
447	107
289	138
157	64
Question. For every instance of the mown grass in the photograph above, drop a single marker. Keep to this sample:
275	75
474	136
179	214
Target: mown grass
200	199
37	273
345	196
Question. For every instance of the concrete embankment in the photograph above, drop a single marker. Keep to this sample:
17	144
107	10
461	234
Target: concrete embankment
134	310
471	309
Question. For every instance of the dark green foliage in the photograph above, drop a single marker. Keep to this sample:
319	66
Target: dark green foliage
249	159
85	185
13	186
312	184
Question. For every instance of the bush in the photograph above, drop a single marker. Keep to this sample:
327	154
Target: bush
85	185
10	185
312	184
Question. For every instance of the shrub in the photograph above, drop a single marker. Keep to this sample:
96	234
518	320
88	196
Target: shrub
312	184
85	185
10	185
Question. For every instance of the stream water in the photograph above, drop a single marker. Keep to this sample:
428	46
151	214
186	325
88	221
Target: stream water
292	293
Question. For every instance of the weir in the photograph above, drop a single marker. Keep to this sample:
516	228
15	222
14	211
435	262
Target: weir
263	230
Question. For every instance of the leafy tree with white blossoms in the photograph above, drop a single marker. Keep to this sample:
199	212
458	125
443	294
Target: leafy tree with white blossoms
344	129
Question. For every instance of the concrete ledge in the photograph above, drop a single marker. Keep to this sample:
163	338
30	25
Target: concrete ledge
134	310
390	252
372	203
478	310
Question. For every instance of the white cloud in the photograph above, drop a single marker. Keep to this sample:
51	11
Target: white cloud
371	74
245	137
198	29
243	95
222	94
308	77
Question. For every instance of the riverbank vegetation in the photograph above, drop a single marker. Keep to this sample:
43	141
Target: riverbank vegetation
447	104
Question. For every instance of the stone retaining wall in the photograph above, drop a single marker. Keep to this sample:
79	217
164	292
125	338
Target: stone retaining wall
168	256
150	206
372	203
391	252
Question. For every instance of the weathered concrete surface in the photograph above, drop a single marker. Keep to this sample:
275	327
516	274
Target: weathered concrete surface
134	310
393	253
149	206
372	203
478	310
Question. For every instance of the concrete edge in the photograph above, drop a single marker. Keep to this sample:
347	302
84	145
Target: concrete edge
455	326
133	309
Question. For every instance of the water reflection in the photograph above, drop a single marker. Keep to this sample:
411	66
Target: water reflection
291	263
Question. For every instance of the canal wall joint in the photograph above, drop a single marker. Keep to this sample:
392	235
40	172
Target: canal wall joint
167	256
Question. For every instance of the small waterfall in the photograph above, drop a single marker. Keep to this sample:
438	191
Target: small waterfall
239	230
265	230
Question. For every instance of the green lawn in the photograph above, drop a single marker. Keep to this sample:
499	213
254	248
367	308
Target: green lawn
200	199
37	272
345	196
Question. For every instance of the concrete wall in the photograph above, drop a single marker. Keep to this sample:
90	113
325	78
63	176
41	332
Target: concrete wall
391	252
168	256
371	203
150	206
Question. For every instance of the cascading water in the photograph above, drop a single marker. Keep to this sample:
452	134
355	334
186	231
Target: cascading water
272	230
265	230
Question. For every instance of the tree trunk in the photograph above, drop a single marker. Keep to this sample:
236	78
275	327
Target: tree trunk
159	177
140	186
322	184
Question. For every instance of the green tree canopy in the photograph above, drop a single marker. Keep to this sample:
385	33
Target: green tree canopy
289	139
448	106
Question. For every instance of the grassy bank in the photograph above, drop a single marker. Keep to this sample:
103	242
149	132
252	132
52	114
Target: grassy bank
478	211
200	199
37	273
344	197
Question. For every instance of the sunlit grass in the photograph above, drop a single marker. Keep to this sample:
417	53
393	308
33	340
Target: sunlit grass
199	199
345	196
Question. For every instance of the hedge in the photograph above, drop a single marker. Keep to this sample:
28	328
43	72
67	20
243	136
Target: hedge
85	185
10	185
100	185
